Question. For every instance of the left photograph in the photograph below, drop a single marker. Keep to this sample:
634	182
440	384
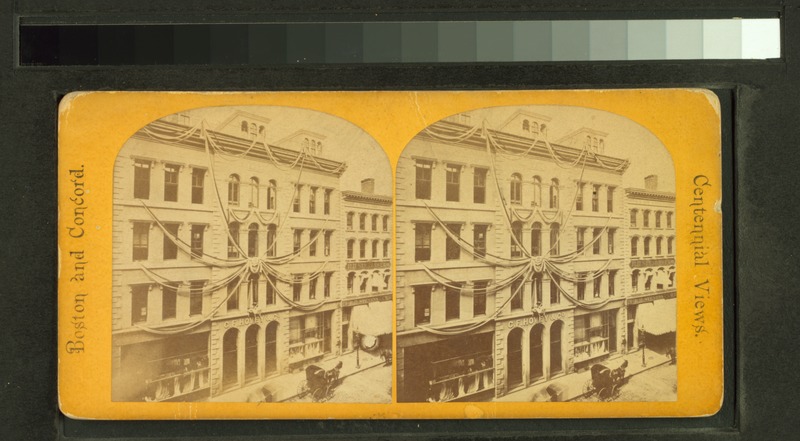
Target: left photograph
252	259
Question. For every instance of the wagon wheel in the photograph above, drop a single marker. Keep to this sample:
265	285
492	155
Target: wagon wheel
302	389
319	394
614	392
604	394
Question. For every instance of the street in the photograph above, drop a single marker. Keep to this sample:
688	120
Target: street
656	384
373	385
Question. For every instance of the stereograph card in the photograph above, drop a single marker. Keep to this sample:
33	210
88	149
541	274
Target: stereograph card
314	255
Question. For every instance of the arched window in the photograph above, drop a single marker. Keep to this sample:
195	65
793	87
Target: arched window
647	246
659	240
351	280
254	192
362	222
670	245
386	223
252	240
233	229
635	280
536	239
669	219
362	252
646	218
350	218
386	249
364	281
535	128
233	189
375	248
554	189
535	353
554	239
516	239
272	194
634	215
658	219
375	222
350	246
634	246
595	144
514	358
555	347
526	125
516	189
245	126
272	232
230	357
587	143
537	191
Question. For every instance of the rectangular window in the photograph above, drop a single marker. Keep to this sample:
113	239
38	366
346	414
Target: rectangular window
362	251
171	182
196	298
197	240
422	305
385	249
297	287
141	239
312	244
580	240
516	292
453	180
374	249
326	289
596	283
169	300
423	179
170	239
327	244
233	295
610	200
350	220
579	197
139	294
635	281
595	198
312	200
452	248
350	246
555	291
611	277
422	242
596	241
312	288
646	219
233	240
272	281
479	186
296	202
479	239
362	222
452	303
198	185
141	179
326	203
479	299
536	295
611	233
298	237
581	286
633	218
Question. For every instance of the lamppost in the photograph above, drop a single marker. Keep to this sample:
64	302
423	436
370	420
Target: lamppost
357	343
643	344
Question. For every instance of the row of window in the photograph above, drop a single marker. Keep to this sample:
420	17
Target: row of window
140	295
650	279
452	295
596	189
297	286
312	199
362	248
235	196
141	181
368	282
657	216
454	244
647	241
141	240
362	221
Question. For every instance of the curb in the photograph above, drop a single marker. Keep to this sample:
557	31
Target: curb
339	380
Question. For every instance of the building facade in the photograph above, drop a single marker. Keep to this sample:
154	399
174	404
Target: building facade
650	227
367	238
511	258
229	258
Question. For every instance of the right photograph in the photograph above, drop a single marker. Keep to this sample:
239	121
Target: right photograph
535	259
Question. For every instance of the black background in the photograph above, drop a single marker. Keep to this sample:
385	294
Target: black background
761	120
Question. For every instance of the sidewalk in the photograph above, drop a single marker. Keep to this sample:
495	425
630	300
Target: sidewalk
573	384
284	387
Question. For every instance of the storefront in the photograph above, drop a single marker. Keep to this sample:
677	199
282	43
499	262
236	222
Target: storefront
371	324
458	369
171	369
596	336
657	320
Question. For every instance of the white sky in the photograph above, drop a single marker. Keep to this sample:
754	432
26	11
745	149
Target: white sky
626	139
343	140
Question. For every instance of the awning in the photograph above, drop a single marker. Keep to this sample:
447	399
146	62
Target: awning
372	319
658	317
